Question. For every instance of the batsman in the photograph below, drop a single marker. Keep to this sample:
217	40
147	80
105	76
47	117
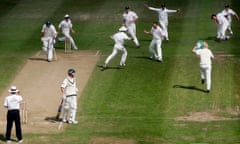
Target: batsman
69	90
48	36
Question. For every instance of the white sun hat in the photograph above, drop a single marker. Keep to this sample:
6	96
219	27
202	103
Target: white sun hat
13	89
123	29
66	16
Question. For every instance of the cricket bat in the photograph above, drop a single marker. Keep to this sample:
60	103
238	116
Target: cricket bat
59	110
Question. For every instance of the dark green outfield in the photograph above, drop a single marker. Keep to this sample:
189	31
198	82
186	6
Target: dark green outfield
140	102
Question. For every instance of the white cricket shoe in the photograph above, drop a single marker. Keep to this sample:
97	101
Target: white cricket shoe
122	65
73	122
21	141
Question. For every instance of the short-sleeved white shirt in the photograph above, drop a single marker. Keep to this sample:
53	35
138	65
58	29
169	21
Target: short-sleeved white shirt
69	85
49	31
205	56
12	102
157	33
129	17
65	26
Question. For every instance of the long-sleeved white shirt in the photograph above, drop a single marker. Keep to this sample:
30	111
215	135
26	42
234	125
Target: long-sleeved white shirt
162	13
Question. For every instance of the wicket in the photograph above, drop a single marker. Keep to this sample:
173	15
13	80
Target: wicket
23	113
67	45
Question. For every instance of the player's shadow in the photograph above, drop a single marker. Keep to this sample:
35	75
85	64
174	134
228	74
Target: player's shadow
2	137
53	119
37	59
147	58
143	57
189	88
212	38
103	69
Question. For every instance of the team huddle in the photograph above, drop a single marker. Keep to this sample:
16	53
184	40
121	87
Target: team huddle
159	32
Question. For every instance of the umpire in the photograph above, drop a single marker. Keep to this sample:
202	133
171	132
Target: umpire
12	103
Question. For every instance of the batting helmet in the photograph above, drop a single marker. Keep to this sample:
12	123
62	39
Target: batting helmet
48	23
71	71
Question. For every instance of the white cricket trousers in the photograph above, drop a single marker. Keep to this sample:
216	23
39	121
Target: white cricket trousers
164	26
67	35
70	104
229	26
157	55
221	30
132	32
205	72
48	47
114	53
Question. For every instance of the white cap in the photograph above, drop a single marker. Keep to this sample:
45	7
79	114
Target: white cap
123	29
13	89
66	16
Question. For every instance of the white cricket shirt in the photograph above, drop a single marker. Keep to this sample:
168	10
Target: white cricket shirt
65	26
49	31
119	38
157	33
129	17
205	56
12	102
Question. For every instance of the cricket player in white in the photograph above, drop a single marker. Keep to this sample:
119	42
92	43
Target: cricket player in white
69	90
228	12
158	35
205	56
67	27
48	36
119	38
129	18
222	25
163	17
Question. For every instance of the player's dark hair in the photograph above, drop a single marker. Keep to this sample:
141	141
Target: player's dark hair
213	15
227	6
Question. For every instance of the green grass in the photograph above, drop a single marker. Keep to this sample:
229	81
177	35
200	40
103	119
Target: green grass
141	101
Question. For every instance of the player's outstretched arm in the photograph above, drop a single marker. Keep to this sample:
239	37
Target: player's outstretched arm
146	32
